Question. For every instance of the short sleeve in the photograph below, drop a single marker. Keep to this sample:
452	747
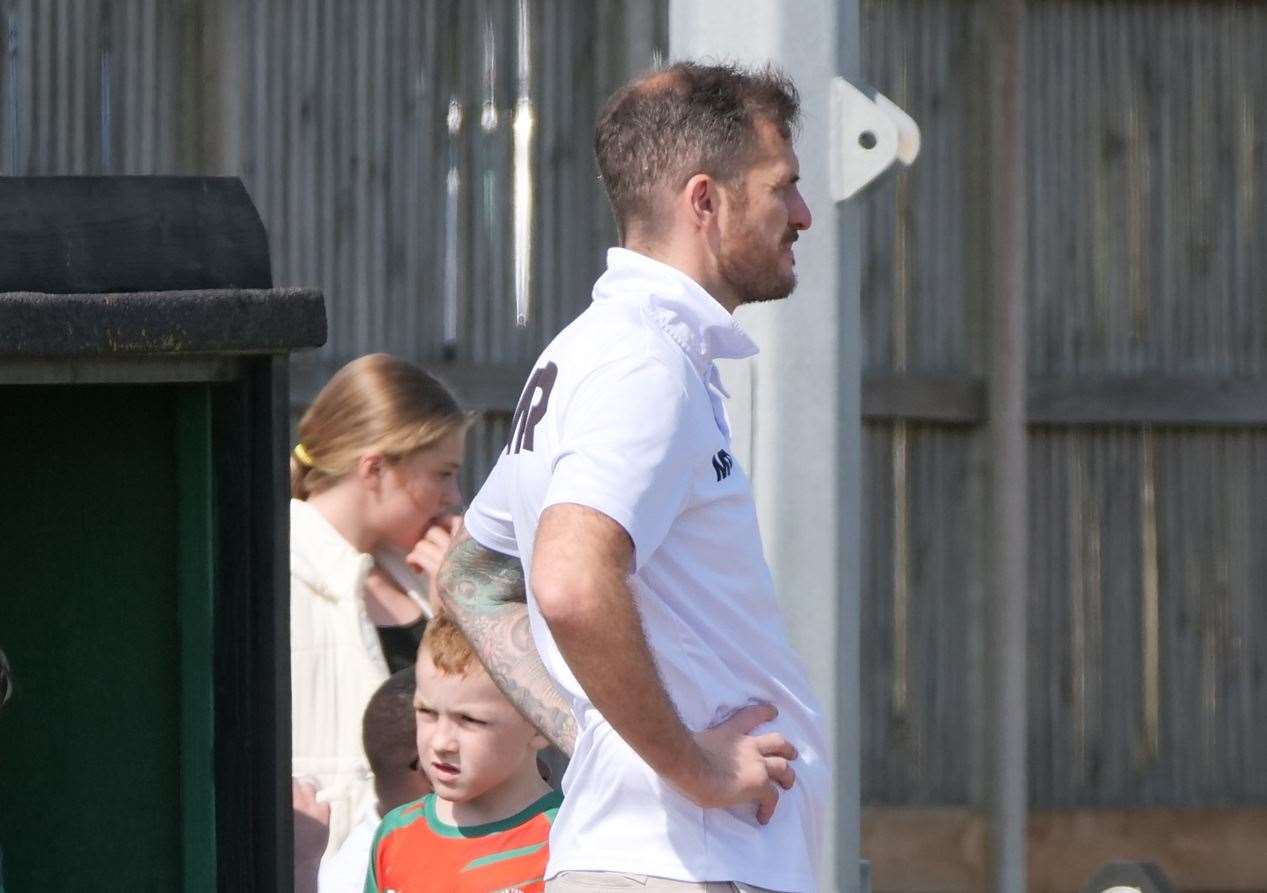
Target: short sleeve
488	519
625	450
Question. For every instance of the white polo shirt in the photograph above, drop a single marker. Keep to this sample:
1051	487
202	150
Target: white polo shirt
625	413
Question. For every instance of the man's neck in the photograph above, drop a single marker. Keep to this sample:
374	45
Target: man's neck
700	268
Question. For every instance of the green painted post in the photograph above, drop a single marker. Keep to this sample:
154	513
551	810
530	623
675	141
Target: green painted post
196	601
143	356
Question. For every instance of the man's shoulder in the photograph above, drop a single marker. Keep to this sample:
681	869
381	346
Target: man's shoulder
613	332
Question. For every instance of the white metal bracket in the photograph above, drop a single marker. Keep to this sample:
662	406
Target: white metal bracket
868	133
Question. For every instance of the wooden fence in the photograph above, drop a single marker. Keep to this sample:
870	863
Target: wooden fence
1147	354
1147	332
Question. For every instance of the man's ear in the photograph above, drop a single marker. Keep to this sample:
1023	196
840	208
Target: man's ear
701	195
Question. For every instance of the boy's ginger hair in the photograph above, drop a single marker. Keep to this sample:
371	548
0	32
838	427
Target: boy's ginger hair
447	646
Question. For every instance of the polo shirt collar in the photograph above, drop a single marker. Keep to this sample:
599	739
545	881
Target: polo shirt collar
693	318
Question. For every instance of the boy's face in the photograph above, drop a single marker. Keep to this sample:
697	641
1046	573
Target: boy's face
470	739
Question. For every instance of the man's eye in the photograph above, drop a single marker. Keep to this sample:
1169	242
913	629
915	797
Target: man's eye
471	720
426	711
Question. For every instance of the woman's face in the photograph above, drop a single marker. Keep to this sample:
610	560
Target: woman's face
418	489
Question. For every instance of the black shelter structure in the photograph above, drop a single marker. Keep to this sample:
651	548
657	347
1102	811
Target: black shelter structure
143	426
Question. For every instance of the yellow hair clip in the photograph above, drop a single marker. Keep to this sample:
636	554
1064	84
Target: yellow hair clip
302	455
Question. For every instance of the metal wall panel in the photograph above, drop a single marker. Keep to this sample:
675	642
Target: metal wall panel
347	151
91	86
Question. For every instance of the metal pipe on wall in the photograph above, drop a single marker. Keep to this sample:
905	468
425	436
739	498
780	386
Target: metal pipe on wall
1005	739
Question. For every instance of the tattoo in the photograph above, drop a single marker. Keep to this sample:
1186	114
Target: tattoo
521	633
484	592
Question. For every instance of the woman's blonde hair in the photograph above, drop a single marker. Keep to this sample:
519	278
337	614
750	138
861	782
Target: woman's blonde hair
376	403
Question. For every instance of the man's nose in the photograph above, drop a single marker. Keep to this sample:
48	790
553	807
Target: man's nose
799	216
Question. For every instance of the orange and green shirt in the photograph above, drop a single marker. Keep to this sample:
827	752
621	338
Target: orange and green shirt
415	852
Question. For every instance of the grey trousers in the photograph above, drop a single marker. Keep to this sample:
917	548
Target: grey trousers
591	881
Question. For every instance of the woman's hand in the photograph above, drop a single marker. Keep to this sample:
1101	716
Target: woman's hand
428	553
312	829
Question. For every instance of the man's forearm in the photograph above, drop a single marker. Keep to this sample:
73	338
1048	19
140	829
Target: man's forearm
583	560
483	591
609	655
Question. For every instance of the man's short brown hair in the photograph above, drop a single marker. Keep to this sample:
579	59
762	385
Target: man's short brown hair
447	647
668	125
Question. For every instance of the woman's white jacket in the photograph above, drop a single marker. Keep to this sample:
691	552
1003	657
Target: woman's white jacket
336	663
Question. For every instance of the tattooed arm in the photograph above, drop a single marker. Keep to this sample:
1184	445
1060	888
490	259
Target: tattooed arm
484	592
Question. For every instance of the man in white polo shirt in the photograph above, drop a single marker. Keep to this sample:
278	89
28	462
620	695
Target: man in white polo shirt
651	644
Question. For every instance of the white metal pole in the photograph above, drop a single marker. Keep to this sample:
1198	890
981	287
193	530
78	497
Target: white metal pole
796	407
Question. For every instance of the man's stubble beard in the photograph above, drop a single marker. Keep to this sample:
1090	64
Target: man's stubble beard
752	269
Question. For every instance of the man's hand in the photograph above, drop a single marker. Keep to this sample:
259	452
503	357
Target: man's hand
740	767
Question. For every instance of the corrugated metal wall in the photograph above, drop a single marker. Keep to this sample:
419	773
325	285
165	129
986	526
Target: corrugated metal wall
336	114
1146	147
91	86
348	150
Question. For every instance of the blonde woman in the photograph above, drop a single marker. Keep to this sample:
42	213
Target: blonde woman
374	480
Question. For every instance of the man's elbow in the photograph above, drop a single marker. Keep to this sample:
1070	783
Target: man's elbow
568	602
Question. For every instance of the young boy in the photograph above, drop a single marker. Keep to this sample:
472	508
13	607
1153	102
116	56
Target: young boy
486	826
388	732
